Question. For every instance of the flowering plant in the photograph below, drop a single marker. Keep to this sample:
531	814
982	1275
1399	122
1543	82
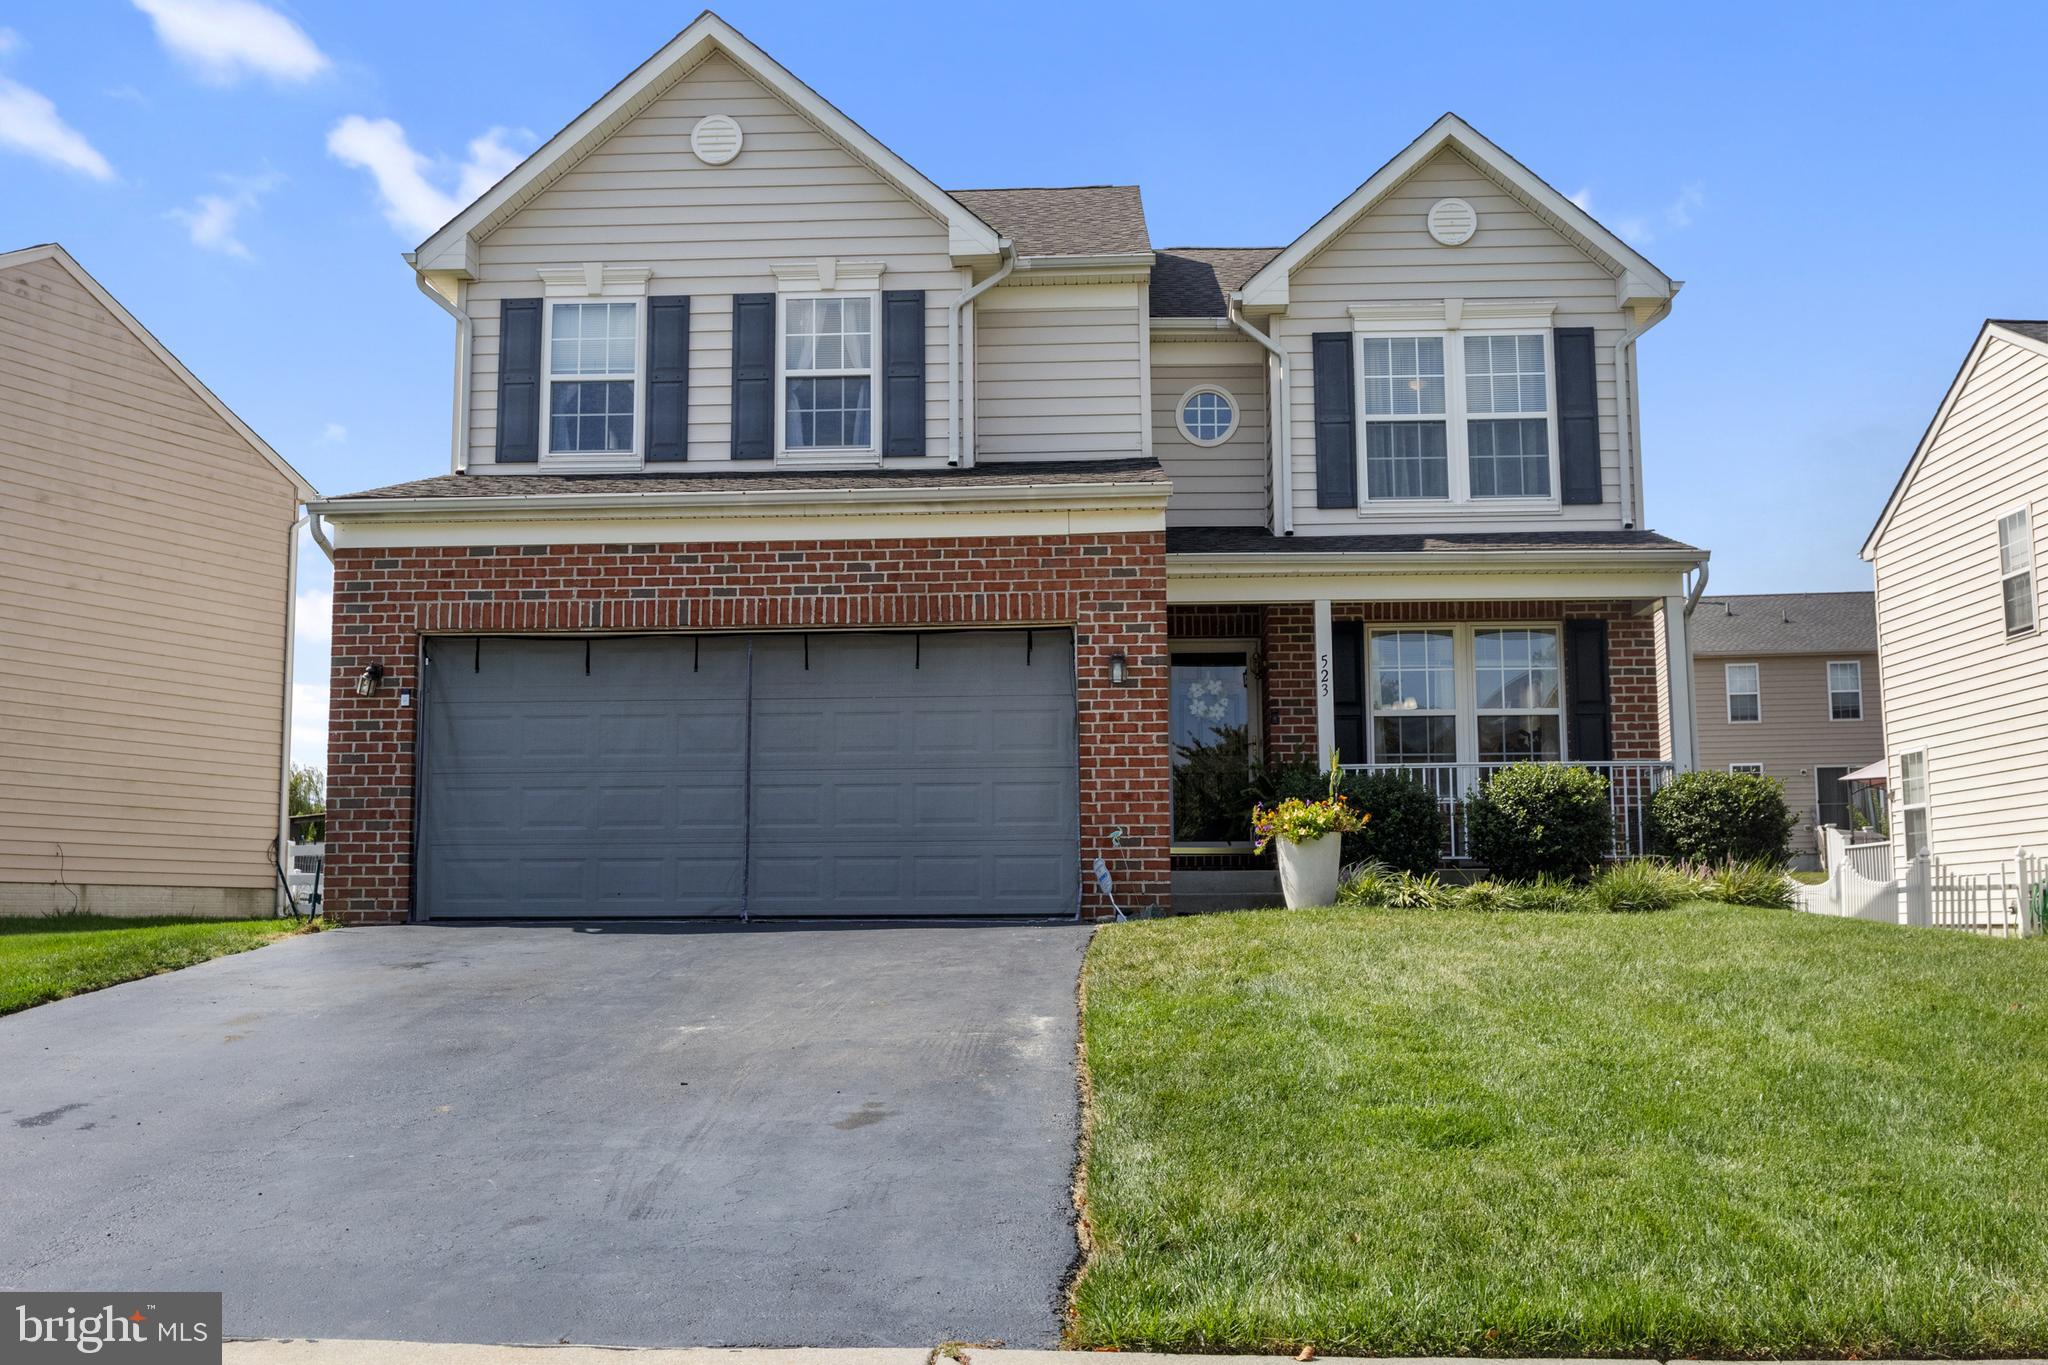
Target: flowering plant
1301	821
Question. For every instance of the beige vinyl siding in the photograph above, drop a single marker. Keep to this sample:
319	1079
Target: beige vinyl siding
1954	684
1388	255
1222	485
143	559
1796	734
709	232
1055	379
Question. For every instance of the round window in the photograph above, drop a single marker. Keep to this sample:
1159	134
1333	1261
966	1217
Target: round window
1208	415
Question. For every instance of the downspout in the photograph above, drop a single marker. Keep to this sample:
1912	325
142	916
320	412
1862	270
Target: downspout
955	446
464	329
1279	423
291	644
1627	425
320	536
1692	692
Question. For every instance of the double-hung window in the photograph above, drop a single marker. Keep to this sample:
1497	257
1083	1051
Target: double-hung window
1913	802
593	374
1457	416
1520	706
828	373
1444	695
1414	696
2016	571
1845	690
1745	693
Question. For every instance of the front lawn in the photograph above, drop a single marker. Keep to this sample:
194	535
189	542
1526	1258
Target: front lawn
48	957
1714	1131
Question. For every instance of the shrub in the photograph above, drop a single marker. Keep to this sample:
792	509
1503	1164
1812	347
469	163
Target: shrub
1640	885
1365	885
1716	817
1532	819
1484	896
1757	882
1408	891
1405	826
1546	894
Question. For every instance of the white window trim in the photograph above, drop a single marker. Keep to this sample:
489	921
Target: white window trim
1751	769
1728	693
827	278
1180	415
1465	688
1453	320
2033	584
1829	678
591	459
1925	805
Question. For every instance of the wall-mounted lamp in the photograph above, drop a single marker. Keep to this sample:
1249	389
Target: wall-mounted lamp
367	680
1119	672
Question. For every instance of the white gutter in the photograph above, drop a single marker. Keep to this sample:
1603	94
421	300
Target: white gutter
464	331
1628	423
956	448
1110	260
1281	564
291	645
1279	423
920	495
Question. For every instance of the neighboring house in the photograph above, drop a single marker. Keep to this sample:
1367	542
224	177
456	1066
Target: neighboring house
821	542
1957	553
146	575
1787	686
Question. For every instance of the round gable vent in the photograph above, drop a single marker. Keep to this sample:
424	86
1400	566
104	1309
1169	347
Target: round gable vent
716	139
1453	221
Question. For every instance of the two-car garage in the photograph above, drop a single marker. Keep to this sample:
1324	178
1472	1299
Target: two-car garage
797	775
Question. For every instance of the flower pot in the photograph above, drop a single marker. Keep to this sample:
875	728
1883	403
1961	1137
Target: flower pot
1308	872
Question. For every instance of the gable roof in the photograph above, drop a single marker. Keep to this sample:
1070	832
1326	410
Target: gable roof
2032	335
448	248
1195	281
1636	278
1065	220
1786	623
52	251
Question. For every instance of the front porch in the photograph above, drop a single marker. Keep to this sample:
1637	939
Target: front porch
1442	678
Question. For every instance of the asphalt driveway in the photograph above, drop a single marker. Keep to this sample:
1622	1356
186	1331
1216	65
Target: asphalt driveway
710	1136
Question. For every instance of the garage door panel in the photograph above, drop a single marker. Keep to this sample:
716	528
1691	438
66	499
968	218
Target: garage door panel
840	775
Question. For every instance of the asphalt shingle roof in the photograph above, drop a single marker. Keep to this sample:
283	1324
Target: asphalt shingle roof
985	475
1786	623
1191	281
2037	330
1067	220
1237	540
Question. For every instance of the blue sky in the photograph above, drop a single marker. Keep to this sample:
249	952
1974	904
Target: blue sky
1846	190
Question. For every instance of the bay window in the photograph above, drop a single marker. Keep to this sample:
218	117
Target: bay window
593	373
828	369
1465	694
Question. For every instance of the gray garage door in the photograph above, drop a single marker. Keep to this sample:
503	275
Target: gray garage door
849	775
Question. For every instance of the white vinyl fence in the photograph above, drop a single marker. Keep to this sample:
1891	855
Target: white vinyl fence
2008	903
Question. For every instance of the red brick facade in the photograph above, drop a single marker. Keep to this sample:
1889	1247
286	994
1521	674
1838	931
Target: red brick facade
1110	588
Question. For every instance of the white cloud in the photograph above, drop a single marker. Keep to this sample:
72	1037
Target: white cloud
315	619
1584	199
10	41
223	40
212	219
1689	201
407	186
29	124
1636	230
309	724
334	433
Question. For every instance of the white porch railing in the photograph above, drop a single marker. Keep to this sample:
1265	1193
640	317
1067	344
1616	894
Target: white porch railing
1630	785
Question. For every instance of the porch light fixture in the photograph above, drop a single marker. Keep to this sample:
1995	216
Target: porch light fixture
1119	673
367	680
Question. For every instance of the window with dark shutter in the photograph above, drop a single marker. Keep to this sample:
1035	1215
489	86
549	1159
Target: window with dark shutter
1336	409
668	378
903	372
518	381
1578	416
753	376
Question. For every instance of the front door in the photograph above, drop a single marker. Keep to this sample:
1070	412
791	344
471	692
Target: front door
1211	730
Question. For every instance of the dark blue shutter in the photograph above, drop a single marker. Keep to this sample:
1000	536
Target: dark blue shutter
753	376
1588	701
518	381
1336	403
668	378
1347	688
903	372
1578	415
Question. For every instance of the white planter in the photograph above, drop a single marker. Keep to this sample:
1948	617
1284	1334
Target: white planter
1308	872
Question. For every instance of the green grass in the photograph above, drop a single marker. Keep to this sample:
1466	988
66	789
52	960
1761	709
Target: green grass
1711	1131
1810	878
48	957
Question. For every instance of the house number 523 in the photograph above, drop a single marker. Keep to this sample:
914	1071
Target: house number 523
1323	674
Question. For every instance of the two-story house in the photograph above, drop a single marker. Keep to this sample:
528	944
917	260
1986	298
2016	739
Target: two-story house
1786	685
1959	614
822	542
